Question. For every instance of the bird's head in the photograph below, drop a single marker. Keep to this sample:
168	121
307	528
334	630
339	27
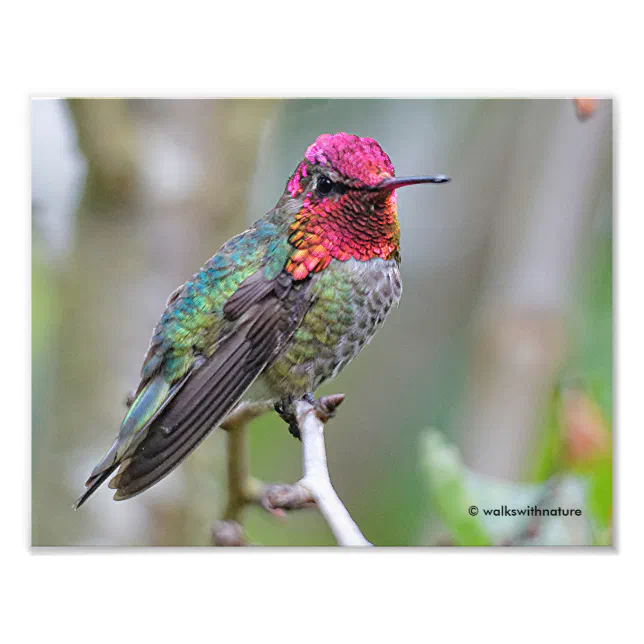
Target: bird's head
343	197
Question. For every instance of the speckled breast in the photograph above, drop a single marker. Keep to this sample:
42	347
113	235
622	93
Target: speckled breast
352	300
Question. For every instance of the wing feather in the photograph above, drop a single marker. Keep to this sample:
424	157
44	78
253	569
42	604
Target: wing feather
265	319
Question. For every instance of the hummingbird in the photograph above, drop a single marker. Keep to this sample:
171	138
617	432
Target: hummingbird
288	303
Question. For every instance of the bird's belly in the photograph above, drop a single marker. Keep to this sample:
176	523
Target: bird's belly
352	301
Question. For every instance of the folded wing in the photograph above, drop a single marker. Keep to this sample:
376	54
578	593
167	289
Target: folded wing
260	317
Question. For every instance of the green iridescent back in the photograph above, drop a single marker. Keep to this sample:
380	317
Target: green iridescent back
194	320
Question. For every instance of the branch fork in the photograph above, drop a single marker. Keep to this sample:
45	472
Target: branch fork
313	489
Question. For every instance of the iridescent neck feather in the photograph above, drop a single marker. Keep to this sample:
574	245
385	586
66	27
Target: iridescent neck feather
353	220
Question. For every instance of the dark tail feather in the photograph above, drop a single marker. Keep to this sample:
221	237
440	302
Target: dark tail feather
202	404
93	484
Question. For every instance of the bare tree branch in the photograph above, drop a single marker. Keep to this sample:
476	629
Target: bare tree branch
316	475
314	488
245	412
242	487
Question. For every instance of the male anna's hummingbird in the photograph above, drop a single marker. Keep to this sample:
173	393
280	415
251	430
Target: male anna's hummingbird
291	301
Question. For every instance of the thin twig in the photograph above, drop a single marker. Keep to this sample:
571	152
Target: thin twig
242	487
245	412
316	477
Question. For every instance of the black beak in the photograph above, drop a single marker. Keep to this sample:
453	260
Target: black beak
400	182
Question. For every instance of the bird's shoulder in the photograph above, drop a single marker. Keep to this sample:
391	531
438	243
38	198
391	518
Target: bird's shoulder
195	316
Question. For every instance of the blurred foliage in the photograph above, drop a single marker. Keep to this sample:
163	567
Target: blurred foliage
448	488
465	502
576	436
45	320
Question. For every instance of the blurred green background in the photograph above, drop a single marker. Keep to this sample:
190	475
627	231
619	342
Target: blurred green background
502	343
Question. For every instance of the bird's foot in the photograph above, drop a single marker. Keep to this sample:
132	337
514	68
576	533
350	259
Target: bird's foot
325	409
285	409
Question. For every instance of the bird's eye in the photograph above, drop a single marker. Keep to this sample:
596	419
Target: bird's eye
324	186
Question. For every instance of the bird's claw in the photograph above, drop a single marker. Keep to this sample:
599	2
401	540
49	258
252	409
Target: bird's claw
285	409
325	408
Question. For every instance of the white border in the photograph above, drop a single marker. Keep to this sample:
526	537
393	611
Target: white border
320	49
